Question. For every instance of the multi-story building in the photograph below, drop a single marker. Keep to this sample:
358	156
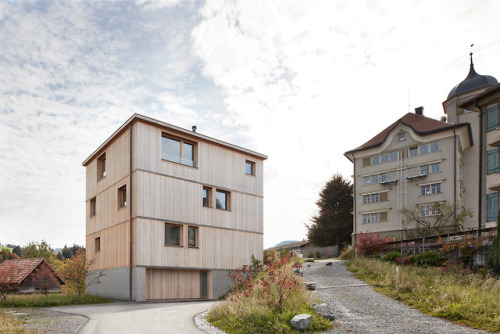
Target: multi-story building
418	161
170	212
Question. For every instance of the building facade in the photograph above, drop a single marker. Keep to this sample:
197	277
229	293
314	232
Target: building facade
170	212
417	162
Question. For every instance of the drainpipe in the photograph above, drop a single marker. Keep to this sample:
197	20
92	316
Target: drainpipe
480	214
130	214
454	174
354	204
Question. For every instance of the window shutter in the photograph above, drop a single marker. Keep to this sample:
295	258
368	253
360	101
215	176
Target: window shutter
383	215
366	161
492	118
492	161
383	196
491	206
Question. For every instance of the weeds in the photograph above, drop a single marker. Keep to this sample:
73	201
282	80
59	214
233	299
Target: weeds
38	300
10	324
451	293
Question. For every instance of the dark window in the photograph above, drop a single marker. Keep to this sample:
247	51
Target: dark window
222	200
101	167
173	234
192	236
97	244
93	207
177	150
122	197
206	196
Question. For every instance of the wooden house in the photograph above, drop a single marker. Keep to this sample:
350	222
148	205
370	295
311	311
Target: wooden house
30	275
170	212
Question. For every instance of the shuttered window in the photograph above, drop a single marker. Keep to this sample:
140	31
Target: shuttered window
492	118
491	207
492	162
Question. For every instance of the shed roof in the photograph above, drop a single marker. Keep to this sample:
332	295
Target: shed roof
16	271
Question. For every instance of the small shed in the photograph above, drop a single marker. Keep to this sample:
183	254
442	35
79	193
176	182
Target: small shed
30	275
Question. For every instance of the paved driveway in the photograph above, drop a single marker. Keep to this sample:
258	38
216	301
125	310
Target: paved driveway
135	318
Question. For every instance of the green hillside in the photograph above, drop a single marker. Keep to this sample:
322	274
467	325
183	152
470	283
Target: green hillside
7	248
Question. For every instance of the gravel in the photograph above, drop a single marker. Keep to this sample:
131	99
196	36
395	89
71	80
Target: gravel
42	320
204	325
357	308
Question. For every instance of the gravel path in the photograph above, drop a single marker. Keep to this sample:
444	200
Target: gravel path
357	308
43	320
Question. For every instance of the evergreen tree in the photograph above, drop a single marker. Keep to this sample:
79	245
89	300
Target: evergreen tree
333	224
494	252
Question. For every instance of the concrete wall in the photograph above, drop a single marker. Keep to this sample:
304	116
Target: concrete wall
115	283
221	283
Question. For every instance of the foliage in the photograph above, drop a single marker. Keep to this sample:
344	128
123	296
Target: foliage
445	220
40	300
5	255
333	224
39	249
17	250
68	252
494	252
9	324
44	279
369	244
265	302
285	252
471	299
270	256
429	259
468	245
348	254
391	256
75	271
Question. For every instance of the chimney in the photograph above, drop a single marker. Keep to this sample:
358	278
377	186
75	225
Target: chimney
419	111
194	128
443	119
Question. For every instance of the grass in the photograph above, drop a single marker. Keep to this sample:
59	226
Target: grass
40	300
9	324
469	299
257	310
7	248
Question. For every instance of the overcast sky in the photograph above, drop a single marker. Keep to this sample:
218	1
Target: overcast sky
299	81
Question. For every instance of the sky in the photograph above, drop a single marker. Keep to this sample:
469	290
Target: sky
300	81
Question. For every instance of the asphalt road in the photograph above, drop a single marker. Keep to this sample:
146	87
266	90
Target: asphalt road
136	318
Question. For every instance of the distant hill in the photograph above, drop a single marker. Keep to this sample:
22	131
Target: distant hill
57	250
286	242
7	248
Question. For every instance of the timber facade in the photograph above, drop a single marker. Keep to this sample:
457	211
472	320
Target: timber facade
170	212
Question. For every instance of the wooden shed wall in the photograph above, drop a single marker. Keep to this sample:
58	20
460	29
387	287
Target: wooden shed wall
174	284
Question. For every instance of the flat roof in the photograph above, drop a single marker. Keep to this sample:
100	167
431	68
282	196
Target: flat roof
138	117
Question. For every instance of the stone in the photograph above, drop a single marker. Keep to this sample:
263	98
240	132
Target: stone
323	310
329	263
301	321
310	285
310	259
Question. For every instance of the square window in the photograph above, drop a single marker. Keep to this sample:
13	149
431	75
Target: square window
424	170
424	149
384	157
413	151
375	160
192	236
375	217
178	150
366	199
436	188
206	197
383	177
122	197
366	218
93	207
366	180
250	167
173	235
435	168
435	147
425	190
97	244
374	179
222	199
394	155
401	136
374	198
101	167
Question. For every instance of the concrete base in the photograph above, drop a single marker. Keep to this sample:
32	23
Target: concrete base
221	283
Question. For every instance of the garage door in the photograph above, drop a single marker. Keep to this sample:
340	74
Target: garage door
176	284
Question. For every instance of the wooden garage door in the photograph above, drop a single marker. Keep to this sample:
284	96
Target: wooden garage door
173	284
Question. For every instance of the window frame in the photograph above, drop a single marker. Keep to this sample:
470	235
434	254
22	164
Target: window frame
181	158
428	210
101	167
492	211
93	207
227	199
122	197
97	245
208	202
492	161
180	226
492	123
430	189
196	236
252	167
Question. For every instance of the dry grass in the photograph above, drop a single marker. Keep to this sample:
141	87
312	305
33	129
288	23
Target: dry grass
470	299
9	324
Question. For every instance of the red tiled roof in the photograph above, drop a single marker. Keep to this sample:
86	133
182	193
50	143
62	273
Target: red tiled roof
420	124
15	271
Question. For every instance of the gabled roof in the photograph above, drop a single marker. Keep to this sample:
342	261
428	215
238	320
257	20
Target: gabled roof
16	271
421	125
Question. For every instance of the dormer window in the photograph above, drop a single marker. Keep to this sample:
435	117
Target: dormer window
401	136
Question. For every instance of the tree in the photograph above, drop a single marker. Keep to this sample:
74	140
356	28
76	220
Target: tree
440	218
39	249
17	250
333	224
44	279
75	271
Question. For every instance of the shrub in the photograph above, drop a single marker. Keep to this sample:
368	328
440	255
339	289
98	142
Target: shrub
428	259
403	260
317	255
269	256
310	254
370	244
494	253
391	256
